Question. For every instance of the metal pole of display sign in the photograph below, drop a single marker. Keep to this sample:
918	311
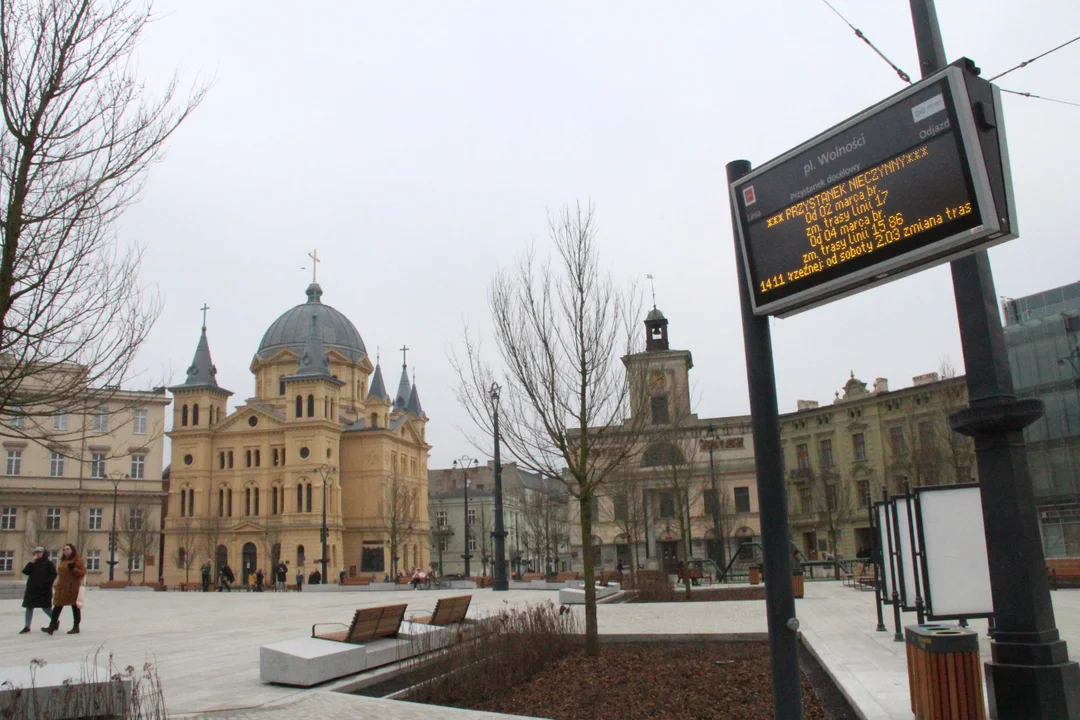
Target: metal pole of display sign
898	632
499	533
879	571
772	495
916	550
1030	675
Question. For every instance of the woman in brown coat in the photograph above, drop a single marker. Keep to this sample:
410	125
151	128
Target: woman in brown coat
69	576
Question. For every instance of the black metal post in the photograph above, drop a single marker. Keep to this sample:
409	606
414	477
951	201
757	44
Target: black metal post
915	552
324	532
772	495
898	632
720	554
1030	675
465	462
112	540
499	582
879	567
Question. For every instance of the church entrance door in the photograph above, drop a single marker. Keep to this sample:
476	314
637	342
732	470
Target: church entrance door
251	559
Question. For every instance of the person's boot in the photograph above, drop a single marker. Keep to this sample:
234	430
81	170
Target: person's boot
50	629
74	630
24	630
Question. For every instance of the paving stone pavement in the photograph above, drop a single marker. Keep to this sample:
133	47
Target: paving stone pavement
206	645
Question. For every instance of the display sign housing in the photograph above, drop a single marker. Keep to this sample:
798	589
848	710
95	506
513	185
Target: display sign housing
914	181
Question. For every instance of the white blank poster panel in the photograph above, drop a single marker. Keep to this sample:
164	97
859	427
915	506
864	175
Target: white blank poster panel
958	574
886	569
907	547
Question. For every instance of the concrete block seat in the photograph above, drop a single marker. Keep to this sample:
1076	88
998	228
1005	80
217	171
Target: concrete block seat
576	595
62	690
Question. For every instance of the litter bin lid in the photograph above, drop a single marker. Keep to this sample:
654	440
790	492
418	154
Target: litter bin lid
942	638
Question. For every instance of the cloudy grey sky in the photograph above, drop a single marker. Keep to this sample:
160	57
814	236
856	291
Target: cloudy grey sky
419	145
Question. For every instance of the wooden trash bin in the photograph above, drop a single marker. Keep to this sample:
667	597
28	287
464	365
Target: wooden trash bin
755	575
944	672
797	584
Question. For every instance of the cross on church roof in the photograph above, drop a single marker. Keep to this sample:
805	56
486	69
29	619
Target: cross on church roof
404	350
314	255
204	308
652	284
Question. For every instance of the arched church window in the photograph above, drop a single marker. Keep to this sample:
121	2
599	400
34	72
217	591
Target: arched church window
311	406
195	414
183	503
247	501
183	416
228	502
255	493
374	420
273	501
258	458
299	556
247	458
191	502
221	502
662	454
309	497
299	406
299	498
181	556
281	387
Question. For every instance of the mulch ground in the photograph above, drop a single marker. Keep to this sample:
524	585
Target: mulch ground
653	682
707	595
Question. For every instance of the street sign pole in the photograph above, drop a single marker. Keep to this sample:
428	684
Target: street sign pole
772	494
1030	675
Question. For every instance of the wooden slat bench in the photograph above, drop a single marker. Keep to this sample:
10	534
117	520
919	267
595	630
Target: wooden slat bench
867	580
113	584
357	581
1063	572
566	576
448	611
693	573
367	624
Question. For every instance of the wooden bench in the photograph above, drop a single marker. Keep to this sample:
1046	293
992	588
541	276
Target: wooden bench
367	624
694	573
357	581
1063	572
866	580
113	584
567	576
448	611
189	586
529	577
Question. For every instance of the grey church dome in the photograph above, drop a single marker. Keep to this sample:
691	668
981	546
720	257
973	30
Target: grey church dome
292	328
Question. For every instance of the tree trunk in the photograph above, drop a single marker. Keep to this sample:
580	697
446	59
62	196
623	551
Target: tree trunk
592	637
683	523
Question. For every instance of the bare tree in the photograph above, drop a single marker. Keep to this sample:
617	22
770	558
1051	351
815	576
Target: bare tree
959	450
670	456
186	537
398	507
628	512
79	134
136	536
560	329
212	533
42	531
834	503
441	531
483	534
271	542
545	518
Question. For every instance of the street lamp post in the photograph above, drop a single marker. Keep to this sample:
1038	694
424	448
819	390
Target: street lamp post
499	582
326	472
115	476
466	463
711	439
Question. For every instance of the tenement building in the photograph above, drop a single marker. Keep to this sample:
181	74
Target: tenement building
87	474
688	488
321	434
840	457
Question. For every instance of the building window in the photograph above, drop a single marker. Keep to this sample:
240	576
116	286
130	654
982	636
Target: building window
622	511
101	420
221	460
93	561
471	517
135	518
139	422
221	502
59	421
830	496
863	488
183	416
52	518
299	498
311	406
195	414
14	462
247	458
97	465
135	564
443	545
7	518
281	387
255	493
275	457
440	519
247	501
660	413
17	420
274	500
896	439
56	464
472	543
7	561
309	497
825	448
806	500
94	518
926	435
230	460
191	502
858	445
258	458
667	504
228	502
742	499
300	558
299	406
802	456
138	467
375	420
183	503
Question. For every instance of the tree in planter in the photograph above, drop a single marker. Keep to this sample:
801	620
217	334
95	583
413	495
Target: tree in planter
186	537
397	506
545	518
627	489
79	134
561	329
136	537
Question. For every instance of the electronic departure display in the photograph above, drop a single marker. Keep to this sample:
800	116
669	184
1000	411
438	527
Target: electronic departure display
912	182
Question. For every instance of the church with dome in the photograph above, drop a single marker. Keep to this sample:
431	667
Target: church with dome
321	433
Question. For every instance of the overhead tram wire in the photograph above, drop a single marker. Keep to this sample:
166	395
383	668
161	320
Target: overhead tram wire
1039	97
1028	62
862	36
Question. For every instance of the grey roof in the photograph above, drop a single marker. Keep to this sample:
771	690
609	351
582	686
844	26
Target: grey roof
314	363
292	328
413	405
202	373
378	387
404	389
655	314
397	422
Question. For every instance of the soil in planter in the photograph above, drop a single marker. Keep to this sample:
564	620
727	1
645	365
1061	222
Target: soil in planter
653	681
718	594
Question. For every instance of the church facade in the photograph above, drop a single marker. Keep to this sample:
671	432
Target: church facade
249	488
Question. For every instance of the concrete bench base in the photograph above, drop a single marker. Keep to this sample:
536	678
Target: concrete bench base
576	596
305	662
62	690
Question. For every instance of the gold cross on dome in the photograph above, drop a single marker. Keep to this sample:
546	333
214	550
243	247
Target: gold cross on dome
314	255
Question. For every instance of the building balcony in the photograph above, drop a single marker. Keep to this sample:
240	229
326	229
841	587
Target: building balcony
799	474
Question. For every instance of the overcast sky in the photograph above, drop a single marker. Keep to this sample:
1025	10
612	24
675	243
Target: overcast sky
420	145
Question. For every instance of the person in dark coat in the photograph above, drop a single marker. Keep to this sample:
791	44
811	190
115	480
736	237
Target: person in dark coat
341	577
258	580
40	574
282	574
299	580
69	576
315	578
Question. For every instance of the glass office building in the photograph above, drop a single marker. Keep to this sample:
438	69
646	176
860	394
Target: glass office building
1041	336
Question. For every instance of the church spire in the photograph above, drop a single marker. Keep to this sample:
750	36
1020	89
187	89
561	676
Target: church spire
378	387
413	406
314	362
202	373
404	388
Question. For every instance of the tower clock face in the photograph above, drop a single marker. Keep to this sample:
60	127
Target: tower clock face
657	379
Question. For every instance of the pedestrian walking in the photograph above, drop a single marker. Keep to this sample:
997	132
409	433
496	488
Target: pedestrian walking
225	578
40	574
206	576
258	580
299	580
341	577
69	576
282	576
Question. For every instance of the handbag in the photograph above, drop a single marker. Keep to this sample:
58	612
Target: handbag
81	597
